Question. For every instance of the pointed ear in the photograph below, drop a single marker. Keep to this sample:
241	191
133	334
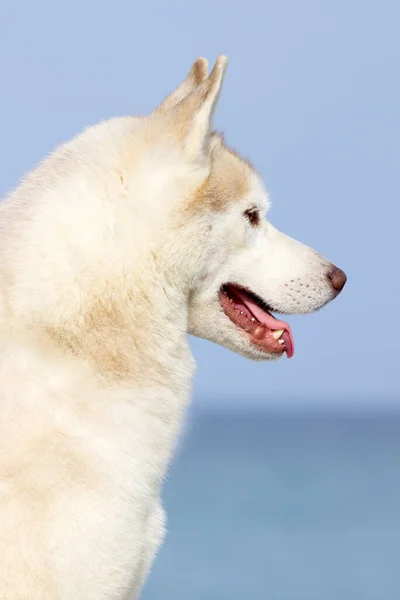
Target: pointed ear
196	76
192	116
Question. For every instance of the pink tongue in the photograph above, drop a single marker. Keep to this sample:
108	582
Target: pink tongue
268	320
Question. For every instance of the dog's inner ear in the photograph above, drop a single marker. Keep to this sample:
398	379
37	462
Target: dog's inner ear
191	117
197	74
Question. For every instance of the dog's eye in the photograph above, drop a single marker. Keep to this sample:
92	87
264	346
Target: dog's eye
253	216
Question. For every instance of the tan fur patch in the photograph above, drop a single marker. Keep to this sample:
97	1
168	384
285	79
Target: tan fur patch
118	341
228	181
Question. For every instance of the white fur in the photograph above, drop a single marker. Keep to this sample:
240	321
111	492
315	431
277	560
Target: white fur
107	261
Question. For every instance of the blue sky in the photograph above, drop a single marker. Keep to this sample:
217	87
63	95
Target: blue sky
312	96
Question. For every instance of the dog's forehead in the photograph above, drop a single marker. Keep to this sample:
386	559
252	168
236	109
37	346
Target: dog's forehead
258	193
232	181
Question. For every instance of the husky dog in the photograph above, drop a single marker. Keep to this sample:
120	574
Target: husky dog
127	238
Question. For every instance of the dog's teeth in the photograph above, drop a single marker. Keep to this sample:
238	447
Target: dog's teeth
281	342
241	312
277	333
253	319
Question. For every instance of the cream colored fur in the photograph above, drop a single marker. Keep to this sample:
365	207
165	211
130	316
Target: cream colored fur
111	251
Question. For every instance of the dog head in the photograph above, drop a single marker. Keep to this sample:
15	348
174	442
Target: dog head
238	267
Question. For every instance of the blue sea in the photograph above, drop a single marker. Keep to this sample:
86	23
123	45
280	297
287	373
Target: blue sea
283	508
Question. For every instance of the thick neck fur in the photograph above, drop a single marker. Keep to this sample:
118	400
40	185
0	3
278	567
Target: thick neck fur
125	330
122	367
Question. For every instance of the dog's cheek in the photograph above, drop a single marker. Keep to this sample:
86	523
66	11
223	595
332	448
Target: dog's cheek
238	237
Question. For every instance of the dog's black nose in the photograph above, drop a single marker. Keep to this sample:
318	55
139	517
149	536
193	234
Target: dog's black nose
337	278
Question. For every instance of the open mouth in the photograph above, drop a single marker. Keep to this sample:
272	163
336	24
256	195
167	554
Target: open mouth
250	313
